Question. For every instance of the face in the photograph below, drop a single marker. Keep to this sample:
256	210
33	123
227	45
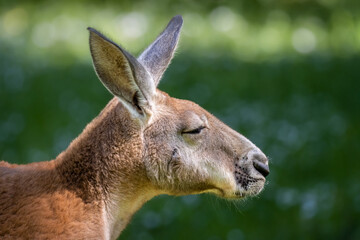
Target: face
189	151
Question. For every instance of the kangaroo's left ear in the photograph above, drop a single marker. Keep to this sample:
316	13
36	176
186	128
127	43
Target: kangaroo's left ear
122	75
156	58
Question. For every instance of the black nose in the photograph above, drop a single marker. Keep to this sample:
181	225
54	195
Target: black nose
261	167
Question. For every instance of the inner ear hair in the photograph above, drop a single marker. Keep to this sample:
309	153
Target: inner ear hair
136	102
121	74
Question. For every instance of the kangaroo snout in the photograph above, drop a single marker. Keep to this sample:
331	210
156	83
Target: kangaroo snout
260	162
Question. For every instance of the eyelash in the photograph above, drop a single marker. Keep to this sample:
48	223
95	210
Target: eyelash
195	131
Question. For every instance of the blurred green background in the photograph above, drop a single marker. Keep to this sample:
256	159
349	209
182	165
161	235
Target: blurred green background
285	73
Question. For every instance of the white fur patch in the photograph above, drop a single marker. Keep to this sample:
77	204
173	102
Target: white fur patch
106	223
130	108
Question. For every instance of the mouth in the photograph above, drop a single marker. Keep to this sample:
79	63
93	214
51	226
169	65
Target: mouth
243	177
245	180
247	183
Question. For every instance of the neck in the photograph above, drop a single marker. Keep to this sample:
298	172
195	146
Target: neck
104	165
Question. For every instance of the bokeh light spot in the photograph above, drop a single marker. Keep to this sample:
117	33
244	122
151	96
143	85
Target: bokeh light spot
14	22
133	25
222	19
304	40
44	35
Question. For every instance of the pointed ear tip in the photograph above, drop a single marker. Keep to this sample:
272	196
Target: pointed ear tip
95	34
178	19
92	30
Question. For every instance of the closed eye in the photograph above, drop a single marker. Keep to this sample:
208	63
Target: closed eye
194	131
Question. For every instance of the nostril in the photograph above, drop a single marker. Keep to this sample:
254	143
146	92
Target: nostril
261	167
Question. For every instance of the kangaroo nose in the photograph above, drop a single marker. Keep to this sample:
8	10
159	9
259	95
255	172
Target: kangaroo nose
261	167
260	163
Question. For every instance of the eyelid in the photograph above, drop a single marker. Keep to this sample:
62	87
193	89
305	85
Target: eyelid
194	131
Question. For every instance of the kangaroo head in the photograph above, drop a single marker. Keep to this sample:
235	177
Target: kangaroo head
186	149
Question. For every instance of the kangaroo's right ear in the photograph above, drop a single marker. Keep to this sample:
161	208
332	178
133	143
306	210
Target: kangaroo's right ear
122	74
156	58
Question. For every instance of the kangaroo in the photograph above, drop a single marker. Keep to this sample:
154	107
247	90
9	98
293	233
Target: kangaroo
142	144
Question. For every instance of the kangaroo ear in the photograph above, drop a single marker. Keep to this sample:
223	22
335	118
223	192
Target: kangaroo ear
122	74
156	58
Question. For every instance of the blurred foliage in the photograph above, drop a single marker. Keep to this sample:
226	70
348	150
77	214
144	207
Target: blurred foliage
283	73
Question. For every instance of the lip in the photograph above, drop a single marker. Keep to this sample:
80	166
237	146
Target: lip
243	177
251	184
241	192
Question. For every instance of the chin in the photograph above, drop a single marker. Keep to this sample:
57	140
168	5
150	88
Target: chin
237	185
243	191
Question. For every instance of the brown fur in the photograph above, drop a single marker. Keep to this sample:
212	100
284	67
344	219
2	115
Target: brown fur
144	143
64	197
